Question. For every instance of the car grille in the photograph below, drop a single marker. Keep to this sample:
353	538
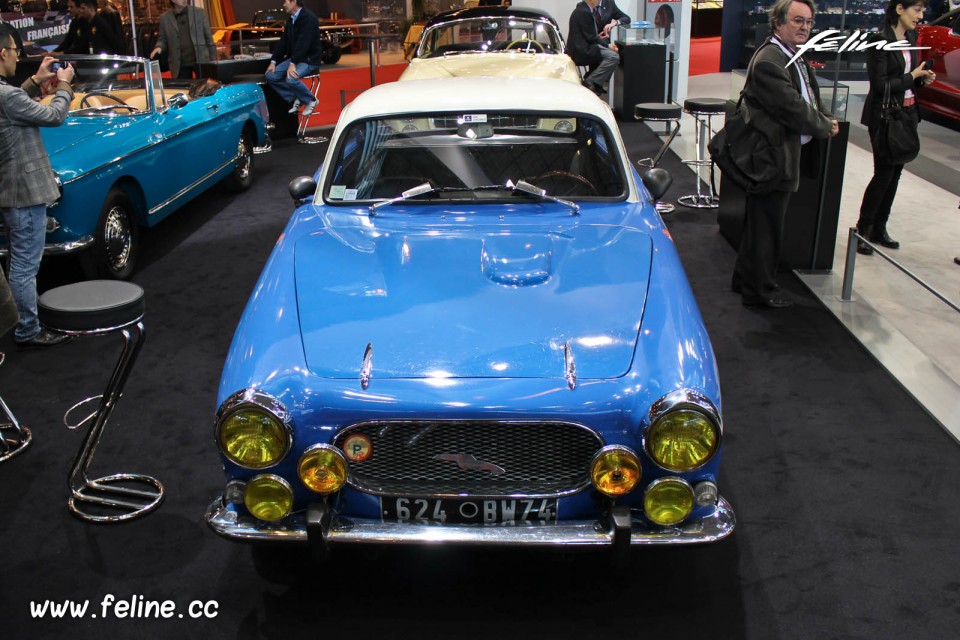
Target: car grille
423	458
498	122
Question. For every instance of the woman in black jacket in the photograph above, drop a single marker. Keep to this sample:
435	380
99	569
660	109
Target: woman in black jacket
905	73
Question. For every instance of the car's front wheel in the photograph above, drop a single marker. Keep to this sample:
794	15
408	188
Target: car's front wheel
242	176
117	243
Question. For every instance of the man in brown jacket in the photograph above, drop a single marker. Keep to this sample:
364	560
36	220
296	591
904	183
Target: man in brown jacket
27	181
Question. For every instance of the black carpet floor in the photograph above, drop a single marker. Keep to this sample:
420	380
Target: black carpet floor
847	522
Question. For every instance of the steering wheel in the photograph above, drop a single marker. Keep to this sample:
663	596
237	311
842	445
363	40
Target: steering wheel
564	183
120	103
525	45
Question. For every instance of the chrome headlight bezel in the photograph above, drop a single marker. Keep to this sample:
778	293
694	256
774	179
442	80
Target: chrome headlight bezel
258	400
682	400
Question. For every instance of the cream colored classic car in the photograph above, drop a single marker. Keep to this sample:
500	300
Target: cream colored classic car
491	41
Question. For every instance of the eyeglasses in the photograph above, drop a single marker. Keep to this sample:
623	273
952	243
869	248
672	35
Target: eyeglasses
17	49
797	21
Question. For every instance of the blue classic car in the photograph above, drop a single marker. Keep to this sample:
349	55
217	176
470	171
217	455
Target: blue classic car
132	152
474	329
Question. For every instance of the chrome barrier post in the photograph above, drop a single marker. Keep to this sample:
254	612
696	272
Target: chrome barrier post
848	266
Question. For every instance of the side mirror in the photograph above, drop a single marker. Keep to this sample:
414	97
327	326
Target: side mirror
657	181
178	101
302	188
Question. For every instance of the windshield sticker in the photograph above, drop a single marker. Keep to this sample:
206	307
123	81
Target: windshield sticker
350	194
336	191
470	118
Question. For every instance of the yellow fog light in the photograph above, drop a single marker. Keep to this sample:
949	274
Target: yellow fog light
252	430
323	469
682	440
668	501
615	470
268	497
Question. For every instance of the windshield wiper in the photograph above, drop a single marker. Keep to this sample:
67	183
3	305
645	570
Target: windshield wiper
522	187
532	190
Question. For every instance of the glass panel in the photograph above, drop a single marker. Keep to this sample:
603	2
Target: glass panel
471	156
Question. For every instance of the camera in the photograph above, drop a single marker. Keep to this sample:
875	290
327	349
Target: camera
928	65
56	66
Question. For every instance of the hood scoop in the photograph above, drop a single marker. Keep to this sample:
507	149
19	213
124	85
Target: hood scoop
517	261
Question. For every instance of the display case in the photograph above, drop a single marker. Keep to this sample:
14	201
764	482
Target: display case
838	108
642	74
865	15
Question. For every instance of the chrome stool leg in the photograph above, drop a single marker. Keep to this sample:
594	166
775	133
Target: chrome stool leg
659	112
91	308
702	110
14	437
89	497
302	136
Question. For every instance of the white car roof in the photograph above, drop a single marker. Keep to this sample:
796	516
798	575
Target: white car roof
470	94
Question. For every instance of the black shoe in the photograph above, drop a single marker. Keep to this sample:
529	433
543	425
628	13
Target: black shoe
45	338
956	260
735	286
773	302
864	248
884	240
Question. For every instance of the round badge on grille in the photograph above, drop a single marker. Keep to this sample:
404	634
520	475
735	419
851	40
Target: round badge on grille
357	447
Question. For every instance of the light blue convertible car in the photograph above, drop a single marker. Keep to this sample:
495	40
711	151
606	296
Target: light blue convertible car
475	329
132	152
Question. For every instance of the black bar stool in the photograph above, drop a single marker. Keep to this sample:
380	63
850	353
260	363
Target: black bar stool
99	307
14	437
302	136
703	110
659	112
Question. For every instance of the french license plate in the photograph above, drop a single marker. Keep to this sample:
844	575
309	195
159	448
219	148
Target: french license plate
467	511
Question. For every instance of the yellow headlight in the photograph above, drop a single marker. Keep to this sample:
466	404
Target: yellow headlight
268	497
668	501
615	470
682	440
253	438
322	469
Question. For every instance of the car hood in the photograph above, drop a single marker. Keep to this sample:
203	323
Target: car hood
504	63
453	304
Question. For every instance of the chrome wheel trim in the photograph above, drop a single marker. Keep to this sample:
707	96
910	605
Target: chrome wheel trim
244	159
117	238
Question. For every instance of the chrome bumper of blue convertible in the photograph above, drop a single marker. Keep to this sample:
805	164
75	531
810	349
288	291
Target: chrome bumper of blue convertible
226	522
57	248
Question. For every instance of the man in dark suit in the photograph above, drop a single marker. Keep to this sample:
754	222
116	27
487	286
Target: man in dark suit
76	40
609	15
27	181
297	55
100	35
783	101
588	48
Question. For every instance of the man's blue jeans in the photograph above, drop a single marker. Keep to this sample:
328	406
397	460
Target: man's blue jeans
290	88
26	236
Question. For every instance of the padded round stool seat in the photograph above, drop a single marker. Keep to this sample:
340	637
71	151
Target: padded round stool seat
713	106
93	306
656	111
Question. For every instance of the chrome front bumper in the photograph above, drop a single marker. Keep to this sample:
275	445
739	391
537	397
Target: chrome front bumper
58	248
340	530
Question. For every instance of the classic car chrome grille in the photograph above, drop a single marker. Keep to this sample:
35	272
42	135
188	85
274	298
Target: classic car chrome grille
498	122
473	458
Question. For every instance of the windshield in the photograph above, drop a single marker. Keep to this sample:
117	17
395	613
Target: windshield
490	34
463	155
105	85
